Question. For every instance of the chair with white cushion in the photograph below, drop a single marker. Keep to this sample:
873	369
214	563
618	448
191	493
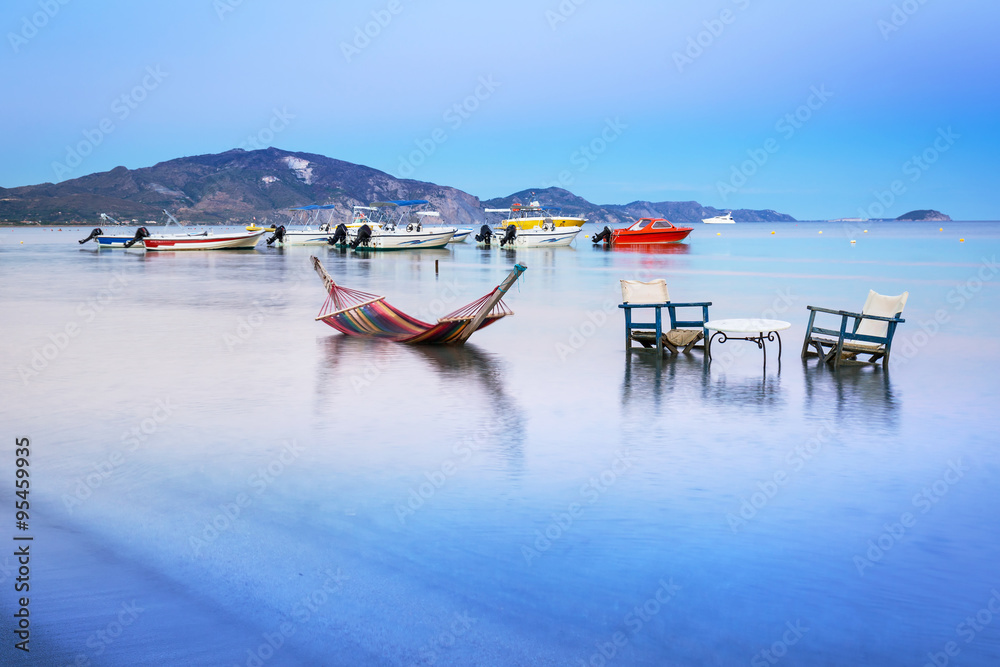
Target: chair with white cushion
682	334
868	332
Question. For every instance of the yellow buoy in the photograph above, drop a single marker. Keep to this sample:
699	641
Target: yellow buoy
716	233
853	241
940	229
960	241
821	231
772	232
866	231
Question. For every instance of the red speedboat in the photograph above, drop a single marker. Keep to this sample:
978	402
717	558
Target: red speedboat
645	231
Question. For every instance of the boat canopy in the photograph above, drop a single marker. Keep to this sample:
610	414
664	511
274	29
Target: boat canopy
400	202
312	207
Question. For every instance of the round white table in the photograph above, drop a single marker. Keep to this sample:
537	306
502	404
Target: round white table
765	330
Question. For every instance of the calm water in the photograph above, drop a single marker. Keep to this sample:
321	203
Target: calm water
217	479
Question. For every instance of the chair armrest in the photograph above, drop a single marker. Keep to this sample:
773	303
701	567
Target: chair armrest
862	316
689	305
644	305
827	310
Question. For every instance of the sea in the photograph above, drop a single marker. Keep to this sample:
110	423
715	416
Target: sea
217	478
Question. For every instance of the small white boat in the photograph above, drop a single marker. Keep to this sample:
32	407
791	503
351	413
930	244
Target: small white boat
548	235
376	227
726	219
113	240
194	240
460	234
529	216
305	227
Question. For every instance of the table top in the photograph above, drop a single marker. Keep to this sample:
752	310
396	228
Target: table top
747	325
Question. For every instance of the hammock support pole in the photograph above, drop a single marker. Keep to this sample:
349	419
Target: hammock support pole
498	294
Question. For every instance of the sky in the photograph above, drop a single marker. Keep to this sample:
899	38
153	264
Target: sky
859	108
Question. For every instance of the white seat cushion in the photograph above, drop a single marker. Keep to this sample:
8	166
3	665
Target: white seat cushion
636	291
882	306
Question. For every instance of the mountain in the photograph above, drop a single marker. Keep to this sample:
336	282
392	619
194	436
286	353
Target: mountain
230	187
237	186
606	214
928	215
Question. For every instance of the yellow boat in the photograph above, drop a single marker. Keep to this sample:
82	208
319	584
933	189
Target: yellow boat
529	216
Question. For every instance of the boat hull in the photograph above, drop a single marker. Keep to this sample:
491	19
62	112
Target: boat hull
113	241
655	237
536	238
233	241
460	236
404	240
305	237
531	223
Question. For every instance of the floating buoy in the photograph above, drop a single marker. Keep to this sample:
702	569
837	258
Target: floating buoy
772	232
586	236
960	241
821	231
853	241
866	231
940	229
716	233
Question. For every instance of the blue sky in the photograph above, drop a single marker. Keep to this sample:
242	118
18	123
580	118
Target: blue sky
812	109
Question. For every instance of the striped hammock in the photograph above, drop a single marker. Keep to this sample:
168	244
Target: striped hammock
356	313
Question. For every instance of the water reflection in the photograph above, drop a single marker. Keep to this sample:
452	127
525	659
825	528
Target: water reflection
858	395
683	378
646	248
496	423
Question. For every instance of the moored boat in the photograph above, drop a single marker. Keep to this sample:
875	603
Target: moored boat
726	219
202	241
645	231
545	236
307	226
529	216
377	227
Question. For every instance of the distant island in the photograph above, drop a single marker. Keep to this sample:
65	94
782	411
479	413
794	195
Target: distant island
924	215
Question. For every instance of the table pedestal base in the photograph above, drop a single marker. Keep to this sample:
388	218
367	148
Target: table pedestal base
759	339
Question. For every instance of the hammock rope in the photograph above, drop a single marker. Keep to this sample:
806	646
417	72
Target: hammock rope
356	313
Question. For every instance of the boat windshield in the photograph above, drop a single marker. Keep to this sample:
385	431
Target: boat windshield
662	224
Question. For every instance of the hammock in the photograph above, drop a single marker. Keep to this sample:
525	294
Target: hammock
356	313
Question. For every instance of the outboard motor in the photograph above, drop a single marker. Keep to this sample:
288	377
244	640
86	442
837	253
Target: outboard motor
93	235
605	236
279	235
509	235
339	235
485	234
363	238
140	234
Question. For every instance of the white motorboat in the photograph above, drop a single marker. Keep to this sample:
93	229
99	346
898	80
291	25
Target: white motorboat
378	227
309	225
112	240
726	219
547	235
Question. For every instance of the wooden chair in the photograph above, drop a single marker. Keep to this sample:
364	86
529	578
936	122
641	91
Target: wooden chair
681	335
870	333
